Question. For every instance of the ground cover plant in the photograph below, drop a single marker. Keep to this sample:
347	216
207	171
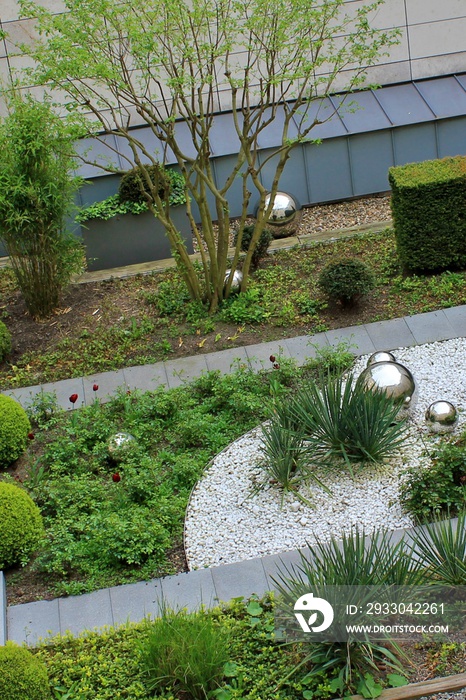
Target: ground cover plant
110	519
116	323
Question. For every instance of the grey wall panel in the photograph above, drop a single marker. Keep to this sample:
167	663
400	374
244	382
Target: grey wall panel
371	157
293	179
98	189
223	167
413	144
328	170
452	137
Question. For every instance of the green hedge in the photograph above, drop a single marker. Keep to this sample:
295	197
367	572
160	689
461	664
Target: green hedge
429	214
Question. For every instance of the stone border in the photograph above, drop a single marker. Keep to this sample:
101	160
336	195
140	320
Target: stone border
3	630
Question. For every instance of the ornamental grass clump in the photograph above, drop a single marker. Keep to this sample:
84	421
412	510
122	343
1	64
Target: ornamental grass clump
186	652
341	419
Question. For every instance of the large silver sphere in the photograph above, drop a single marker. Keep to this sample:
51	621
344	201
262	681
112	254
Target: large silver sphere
237	278
392	378
119	445
441	416
284	209
380	356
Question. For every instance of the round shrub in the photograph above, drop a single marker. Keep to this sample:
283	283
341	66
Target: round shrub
22	675
133	184
346	281
262	244
14	429
22	527
5	341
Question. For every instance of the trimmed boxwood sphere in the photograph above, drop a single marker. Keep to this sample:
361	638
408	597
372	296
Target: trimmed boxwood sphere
14	429
21	526
346	280
22	675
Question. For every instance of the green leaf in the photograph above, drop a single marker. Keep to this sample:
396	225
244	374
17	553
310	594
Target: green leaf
368	687
396	681
254	609
230	670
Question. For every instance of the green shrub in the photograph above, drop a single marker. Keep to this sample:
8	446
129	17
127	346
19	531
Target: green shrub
22	675
346	281
21	525
134	185
14	429
244	308
5	341
428	206
261	246
439	489
186	652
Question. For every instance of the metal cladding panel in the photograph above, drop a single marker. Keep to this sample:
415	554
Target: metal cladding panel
446	97
150	143
403	104
360	112
293	180
328	170
451	134
223	167
272	134
223	137
102	151
413	144
461	79
98	190
322	111
371	157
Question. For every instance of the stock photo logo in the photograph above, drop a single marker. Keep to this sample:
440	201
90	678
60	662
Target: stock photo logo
307	603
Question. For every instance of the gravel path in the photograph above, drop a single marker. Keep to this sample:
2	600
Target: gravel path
328	217
225	523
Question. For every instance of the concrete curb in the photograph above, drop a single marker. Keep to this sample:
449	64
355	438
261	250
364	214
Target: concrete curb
3	630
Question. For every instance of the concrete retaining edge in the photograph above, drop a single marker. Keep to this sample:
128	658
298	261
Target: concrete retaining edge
3	631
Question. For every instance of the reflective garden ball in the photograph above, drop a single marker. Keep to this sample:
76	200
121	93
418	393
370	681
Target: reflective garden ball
394	379
284	209
119	445
380	356
441	416
237	278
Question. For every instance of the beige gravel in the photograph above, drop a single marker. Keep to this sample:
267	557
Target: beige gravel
328	217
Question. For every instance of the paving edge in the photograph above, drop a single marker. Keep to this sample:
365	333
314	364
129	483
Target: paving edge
3	630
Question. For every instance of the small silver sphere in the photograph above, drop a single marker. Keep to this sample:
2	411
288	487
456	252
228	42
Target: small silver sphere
237	279
394	379
284	209
441	416
380	356
119	445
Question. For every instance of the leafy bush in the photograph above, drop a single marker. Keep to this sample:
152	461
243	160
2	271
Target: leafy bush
14	429
22	675
22	528
134	185
5	341
346	281
262	244
441	487
36	196
185	652
244	308
341	419
428	204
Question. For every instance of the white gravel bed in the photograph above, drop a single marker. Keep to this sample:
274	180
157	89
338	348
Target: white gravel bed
225	523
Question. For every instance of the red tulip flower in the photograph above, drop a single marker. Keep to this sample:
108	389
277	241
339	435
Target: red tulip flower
116	477
95	387
31	436
73	398
276	366
272	358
